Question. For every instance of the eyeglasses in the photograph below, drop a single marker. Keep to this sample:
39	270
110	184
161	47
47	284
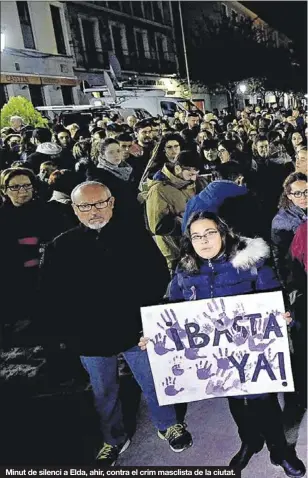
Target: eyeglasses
97	205
18	187
208	235
299	194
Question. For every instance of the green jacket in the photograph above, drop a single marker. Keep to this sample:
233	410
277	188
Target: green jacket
165	206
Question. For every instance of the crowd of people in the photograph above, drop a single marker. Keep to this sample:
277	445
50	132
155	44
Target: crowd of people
99	220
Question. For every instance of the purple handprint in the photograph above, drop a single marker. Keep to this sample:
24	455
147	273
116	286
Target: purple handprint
223	362
220	320
271	359
260	329
171	320
160	345
204	371
170	389
193	354
177	367
217	389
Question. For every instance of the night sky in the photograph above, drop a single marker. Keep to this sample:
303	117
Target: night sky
290	17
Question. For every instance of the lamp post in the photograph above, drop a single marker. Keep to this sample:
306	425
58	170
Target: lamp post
2	42
184	48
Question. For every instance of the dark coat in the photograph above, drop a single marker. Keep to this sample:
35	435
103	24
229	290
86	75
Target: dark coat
98	282
284	226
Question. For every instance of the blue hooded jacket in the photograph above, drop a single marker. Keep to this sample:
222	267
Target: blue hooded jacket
212	197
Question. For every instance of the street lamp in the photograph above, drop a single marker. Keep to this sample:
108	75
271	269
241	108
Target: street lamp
243	88
2	42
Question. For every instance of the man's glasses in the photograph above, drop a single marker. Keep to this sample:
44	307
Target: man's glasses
208	235
97	205
18	187
299	194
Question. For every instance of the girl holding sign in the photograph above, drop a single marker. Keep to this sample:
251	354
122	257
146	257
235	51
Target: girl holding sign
217	263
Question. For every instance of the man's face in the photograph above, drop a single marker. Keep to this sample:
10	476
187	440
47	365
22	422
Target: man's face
93	206
131	121
182	117
64	139
192	121
16	124
211	154
46	170
188	174
14	143
263	149
156	132
125	149
296	139
301	165
19	190
144	136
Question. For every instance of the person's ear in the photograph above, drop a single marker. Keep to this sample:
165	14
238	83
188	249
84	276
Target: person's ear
75	208
111	202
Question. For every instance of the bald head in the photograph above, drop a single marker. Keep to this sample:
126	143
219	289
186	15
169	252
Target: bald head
93	204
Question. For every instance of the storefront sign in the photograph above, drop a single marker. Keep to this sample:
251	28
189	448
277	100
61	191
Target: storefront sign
38	80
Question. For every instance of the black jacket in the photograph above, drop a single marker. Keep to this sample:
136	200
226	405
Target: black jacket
98	281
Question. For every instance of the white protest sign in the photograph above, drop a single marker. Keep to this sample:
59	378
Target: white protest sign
218	347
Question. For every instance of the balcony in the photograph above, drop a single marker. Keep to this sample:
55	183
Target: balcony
133	62
96	59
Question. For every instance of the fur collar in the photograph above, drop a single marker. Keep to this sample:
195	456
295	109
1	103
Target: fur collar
248	252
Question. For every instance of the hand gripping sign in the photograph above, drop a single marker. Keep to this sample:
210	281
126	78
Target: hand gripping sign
218	347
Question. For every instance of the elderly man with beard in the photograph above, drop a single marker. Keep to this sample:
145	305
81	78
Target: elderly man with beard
102	274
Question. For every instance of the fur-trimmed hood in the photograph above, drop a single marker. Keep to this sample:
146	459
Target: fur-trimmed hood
249	252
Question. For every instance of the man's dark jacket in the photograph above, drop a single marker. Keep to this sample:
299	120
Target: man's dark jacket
96	283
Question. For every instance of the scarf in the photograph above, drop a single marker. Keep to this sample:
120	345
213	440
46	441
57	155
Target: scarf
122	171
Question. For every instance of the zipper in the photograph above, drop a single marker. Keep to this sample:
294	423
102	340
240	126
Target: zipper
212	280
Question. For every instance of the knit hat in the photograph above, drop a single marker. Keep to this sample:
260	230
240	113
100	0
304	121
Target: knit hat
50	149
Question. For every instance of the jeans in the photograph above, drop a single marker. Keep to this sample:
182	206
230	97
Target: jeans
104	380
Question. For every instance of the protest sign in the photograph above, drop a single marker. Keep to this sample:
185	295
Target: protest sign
218	347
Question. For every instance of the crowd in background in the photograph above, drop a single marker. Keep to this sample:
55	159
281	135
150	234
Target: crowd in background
247	170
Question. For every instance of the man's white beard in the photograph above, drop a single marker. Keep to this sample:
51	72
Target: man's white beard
96	225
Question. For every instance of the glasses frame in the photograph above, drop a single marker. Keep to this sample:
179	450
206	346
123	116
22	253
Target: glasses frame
299	194
25	187
93	205
208	235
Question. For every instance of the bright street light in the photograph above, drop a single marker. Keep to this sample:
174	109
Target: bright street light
243	88
2	41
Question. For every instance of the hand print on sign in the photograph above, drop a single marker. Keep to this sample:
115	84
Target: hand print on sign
177	366
221	321
170	389
238	333
223	362
271	359
171	320
193	354
217	389
260	326
204	370
160	345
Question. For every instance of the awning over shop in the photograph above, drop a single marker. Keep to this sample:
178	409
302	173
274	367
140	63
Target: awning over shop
38	80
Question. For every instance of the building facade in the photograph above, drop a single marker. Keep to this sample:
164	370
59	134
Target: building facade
140	35
36	57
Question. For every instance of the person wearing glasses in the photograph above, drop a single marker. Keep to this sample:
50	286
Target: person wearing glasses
102	274
292	213
171	189
26	223
215	262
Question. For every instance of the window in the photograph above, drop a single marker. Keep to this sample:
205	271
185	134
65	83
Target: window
36	95
90	35
115	5
57	26
157	12
142	43
162	47
25	23
234	15
224	9
127	8
168	108
137	9
148	12
118	39
67	94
